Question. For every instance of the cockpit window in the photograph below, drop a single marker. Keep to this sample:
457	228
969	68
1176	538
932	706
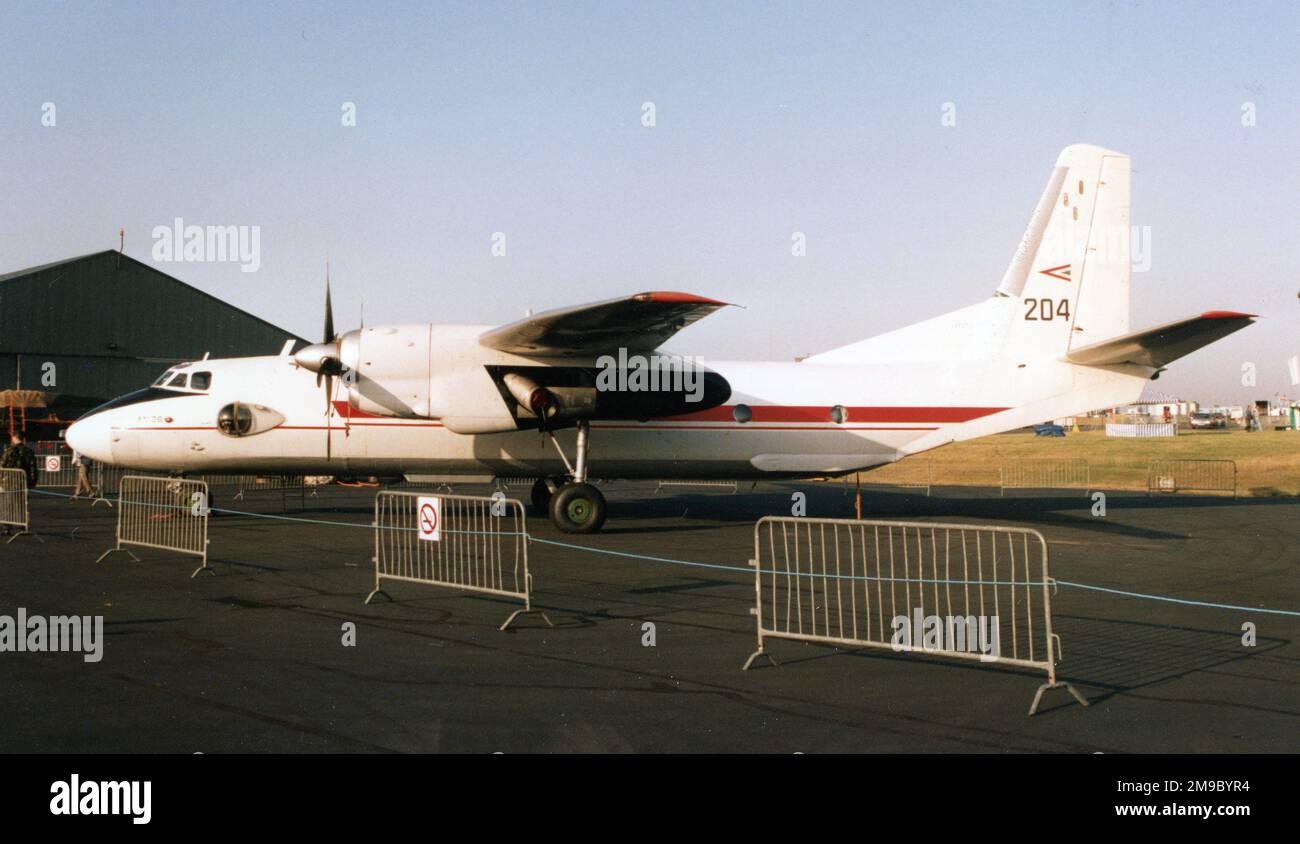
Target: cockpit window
179	381
162	379
201	381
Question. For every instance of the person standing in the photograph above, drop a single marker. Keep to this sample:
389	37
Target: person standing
83	478
20	456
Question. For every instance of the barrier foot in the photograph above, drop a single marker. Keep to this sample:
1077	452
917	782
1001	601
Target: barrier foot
755	655
518	613
1038	697
202	568
26	533
95	503
372	595
123	550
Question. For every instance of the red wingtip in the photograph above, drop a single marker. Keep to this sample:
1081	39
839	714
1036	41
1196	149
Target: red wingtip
672	297
1227	315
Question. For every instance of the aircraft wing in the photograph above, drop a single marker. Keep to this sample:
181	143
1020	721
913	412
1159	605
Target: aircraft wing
638	323
1158	347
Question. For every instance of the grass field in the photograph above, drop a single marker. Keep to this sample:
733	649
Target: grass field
1268	462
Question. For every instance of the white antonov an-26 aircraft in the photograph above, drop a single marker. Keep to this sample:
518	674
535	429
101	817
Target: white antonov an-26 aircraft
539	397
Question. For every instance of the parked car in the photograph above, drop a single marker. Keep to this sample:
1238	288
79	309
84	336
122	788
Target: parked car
1204	419
1049	430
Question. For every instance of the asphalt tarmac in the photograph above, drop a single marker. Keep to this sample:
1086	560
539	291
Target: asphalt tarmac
253	658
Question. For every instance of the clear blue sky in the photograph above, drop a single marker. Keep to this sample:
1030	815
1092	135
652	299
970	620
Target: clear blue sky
771	119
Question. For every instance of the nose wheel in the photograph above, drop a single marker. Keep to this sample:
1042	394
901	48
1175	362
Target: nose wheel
576	506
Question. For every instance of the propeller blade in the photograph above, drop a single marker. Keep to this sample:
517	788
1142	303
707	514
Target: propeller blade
326	366
329	313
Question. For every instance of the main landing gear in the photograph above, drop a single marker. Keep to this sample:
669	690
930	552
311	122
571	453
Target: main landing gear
574	505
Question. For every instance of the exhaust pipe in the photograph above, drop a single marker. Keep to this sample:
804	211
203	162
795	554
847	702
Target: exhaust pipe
531	397
550	402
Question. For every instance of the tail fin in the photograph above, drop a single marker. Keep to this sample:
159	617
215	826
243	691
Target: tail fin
1071	271
1067	285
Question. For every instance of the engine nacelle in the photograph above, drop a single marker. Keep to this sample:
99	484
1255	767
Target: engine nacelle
387	370
423	372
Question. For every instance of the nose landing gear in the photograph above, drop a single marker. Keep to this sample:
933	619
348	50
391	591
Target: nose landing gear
574	506
578	508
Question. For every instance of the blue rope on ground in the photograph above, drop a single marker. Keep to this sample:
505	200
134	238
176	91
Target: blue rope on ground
747	570
1167	599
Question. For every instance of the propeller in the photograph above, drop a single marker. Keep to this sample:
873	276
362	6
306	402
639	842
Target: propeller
329	366
324	359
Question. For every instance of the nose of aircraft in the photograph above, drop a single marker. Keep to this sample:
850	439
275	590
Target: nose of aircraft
92	438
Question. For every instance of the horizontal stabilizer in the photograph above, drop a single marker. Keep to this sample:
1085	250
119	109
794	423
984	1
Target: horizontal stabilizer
1158	347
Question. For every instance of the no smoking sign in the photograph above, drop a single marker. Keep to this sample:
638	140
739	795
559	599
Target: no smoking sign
428	512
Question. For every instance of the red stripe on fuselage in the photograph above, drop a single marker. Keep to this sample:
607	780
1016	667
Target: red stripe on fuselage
787	414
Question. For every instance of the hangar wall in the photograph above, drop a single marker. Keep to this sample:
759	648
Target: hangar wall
110	324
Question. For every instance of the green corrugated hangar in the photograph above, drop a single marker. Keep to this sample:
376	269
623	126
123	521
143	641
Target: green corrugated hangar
78	332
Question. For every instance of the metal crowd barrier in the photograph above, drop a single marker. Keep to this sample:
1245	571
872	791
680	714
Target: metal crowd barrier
969	592
107	480
438	482
55	469
166	513
1218	476
13	503
504	482
267	483
466	542
1045	474
102	479
725	486
1145	429
224	481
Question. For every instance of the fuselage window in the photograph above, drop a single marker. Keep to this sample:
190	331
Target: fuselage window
179	381
235	420
201	381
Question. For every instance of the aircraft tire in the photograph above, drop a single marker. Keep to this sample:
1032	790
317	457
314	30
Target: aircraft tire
578	508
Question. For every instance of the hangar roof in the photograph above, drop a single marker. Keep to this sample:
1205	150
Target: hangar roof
108	304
